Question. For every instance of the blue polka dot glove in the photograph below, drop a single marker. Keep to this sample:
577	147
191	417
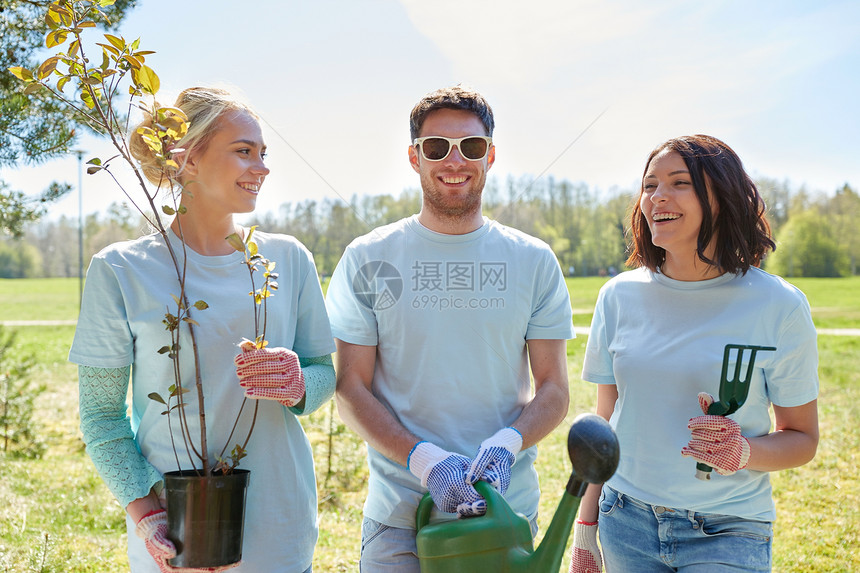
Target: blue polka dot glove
444	474
495	458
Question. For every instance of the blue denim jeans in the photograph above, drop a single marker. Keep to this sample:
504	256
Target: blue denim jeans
639	537
386	549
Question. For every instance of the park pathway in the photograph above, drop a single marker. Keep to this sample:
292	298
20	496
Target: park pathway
578	329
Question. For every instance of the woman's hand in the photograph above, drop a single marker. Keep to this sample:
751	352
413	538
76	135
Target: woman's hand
271	374
152	528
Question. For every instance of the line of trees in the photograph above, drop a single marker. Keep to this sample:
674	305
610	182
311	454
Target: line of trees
817	235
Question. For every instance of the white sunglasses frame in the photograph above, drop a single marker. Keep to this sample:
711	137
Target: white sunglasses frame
418	141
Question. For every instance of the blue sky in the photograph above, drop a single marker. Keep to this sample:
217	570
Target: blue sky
334	80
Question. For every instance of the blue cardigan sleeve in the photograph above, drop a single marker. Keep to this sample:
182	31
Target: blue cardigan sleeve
108	436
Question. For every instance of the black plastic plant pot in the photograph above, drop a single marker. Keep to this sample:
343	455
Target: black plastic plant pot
206	517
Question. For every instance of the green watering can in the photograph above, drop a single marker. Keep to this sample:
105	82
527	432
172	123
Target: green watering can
501	539
733	391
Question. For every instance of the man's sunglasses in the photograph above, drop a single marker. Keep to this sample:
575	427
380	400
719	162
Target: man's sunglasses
437	148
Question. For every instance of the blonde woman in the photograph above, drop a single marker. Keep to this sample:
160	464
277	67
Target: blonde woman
120	329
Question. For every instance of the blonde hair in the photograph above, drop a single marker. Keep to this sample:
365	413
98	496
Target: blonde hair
203	106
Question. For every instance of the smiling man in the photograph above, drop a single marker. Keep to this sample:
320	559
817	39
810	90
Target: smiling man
439	320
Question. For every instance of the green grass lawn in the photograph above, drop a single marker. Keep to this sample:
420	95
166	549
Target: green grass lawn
58	516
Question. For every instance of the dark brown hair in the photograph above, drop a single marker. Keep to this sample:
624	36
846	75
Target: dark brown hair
742	232
456	97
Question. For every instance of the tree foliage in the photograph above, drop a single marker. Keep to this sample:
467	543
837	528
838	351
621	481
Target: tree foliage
34	127
807	248
585	230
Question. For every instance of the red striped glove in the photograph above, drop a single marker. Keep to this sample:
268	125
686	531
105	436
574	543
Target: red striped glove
585	554
271	374
717	441
152	528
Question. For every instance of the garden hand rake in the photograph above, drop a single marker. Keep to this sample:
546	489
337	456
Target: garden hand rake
733	391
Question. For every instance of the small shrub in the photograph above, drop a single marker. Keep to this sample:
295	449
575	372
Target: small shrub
18	436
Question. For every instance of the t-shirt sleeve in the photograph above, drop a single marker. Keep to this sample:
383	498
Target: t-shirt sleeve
313	331
102	336
352	318
793	379
551	315
597	364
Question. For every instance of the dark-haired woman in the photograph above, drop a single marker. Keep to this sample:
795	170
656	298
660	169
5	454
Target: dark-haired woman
656	351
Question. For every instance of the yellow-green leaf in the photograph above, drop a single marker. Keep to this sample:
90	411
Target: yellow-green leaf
48	66
109	48
252	248
235	241
32	88
65	15
148	80
56	38
61	83
87	99
21	73
52	20
87	24
118	42
201	305
168	210
73	48
59	14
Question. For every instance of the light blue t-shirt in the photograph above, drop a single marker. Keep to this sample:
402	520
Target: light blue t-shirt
128	289
661	341
450	316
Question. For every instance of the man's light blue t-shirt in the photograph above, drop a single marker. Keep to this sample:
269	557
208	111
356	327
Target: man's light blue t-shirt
450	316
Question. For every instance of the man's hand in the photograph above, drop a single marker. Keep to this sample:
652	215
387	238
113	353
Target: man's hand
444	474
271	374
495	457
717	441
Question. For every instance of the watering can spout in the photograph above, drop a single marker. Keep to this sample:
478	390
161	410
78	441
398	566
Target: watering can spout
501	539
593	450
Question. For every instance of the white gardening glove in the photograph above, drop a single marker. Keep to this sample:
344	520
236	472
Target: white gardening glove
443	473
585	554
271	374
495	457
717	441
152	528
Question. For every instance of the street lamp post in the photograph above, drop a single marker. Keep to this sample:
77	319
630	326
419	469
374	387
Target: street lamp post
80	155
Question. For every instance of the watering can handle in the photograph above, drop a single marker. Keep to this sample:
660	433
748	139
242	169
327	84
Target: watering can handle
422	516
425	506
